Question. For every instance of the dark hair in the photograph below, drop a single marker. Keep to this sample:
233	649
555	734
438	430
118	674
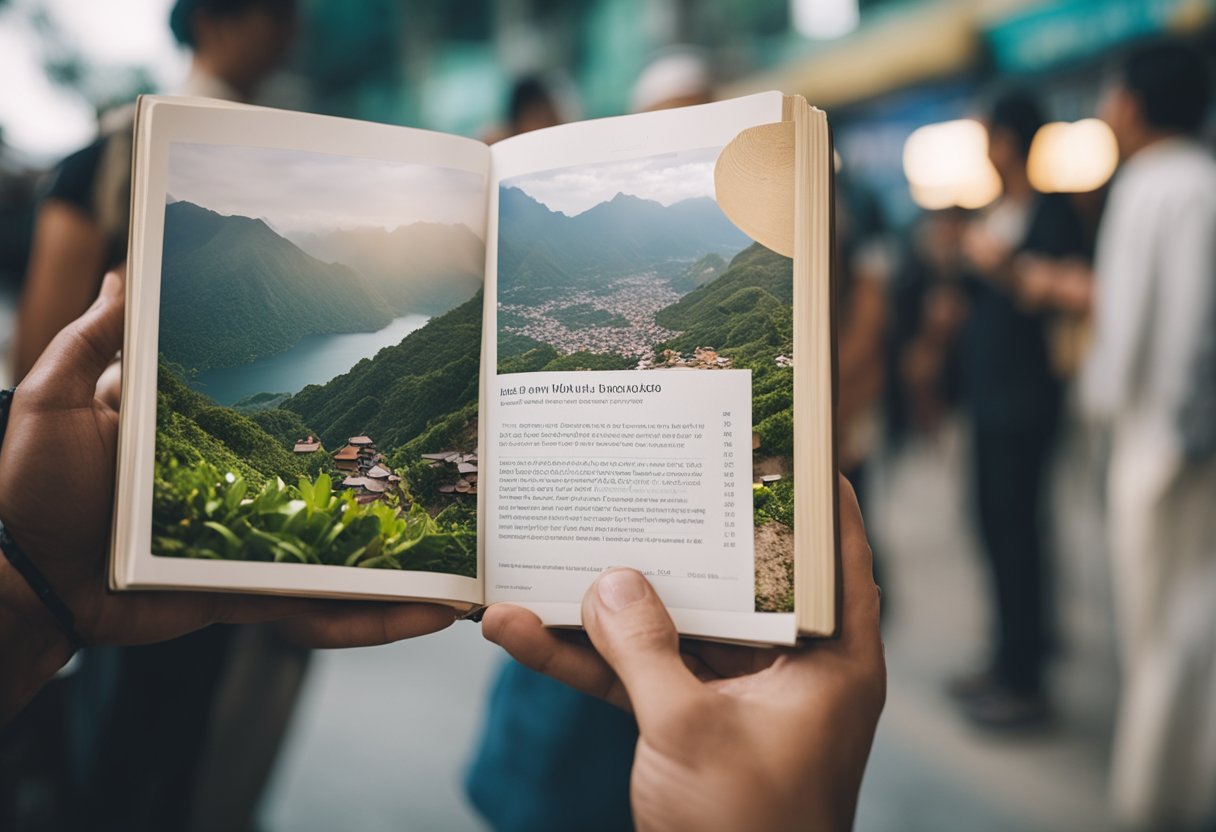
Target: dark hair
1017	112
1171	82
181	18
527	92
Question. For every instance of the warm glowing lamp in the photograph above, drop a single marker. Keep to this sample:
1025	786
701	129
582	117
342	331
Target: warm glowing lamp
1074	157
947	165
824	19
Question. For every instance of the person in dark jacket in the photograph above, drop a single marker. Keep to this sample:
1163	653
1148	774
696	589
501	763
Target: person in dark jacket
1014	401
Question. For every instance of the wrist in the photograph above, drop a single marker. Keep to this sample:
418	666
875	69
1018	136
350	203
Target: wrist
32	645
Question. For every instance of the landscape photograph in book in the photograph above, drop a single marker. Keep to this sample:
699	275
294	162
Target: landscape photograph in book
318	360
631	265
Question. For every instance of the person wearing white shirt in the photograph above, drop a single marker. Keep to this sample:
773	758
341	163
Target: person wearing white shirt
1150	378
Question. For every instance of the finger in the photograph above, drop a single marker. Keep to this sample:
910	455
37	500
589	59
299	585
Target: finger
66	374
859	593
547	651
631	629
109	386
143	617
365	623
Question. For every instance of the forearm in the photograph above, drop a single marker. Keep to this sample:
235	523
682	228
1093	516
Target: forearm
1074	292
66	262
32	649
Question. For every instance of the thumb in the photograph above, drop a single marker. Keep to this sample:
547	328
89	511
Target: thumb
631	629
67	372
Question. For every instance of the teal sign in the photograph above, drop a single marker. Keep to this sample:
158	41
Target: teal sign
1056	33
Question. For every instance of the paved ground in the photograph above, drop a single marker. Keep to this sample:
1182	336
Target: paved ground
385	732
930	770
8	317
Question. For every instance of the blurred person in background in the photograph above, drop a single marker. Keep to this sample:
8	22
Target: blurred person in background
1150	377
532	104
110	745
927	309
532	107
17	185
558	784
1014	402
865	259
81	226
677	77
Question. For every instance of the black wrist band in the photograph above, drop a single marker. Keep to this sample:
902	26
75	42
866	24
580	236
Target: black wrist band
6	404
41	587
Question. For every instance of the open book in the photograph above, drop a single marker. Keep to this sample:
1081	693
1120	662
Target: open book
366	361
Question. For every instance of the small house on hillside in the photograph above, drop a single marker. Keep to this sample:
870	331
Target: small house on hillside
358	454
347	459
372	484
307	446
368	457
461	469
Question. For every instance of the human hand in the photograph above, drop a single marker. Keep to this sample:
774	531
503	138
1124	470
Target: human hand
1034	281
986	253
56	496
730	737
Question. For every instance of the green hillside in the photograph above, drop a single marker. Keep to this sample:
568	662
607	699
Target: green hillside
394	396
512	344
703	271
754	267
232	291
227	487
747	315
191	428
546	358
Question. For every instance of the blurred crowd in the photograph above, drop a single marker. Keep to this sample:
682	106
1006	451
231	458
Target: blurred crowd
1031	315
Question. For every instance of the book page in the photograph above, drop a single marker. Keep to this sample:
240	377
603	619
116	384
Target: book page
303	356
639	413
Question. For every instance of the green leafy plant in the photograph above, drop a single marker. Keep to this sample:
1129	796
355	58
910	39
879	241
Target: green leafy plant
774	503
200	513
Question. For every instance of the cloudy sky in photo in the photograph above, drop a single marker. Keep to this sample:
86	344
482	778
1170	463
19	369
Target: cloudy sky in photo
667	179
301	192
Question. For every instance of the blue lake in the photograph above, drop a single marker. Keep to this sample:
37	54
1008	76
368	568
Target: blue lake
314	360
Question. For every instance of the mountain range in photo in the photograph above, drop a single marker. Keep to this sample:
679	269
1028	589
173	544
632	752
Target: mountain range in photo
233	289
542	248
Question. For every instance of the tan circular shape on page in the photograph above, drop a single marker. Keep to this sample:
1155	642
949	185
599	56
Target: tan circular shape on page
754	184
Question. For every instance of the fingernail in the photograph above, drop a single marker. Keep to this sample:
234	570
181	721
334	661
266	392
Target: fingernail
620	588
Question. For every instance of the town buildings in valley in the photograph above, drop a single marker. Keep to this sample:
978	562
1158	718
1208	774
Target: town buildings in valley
636	299
460	468
702	358
372	484
366	473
